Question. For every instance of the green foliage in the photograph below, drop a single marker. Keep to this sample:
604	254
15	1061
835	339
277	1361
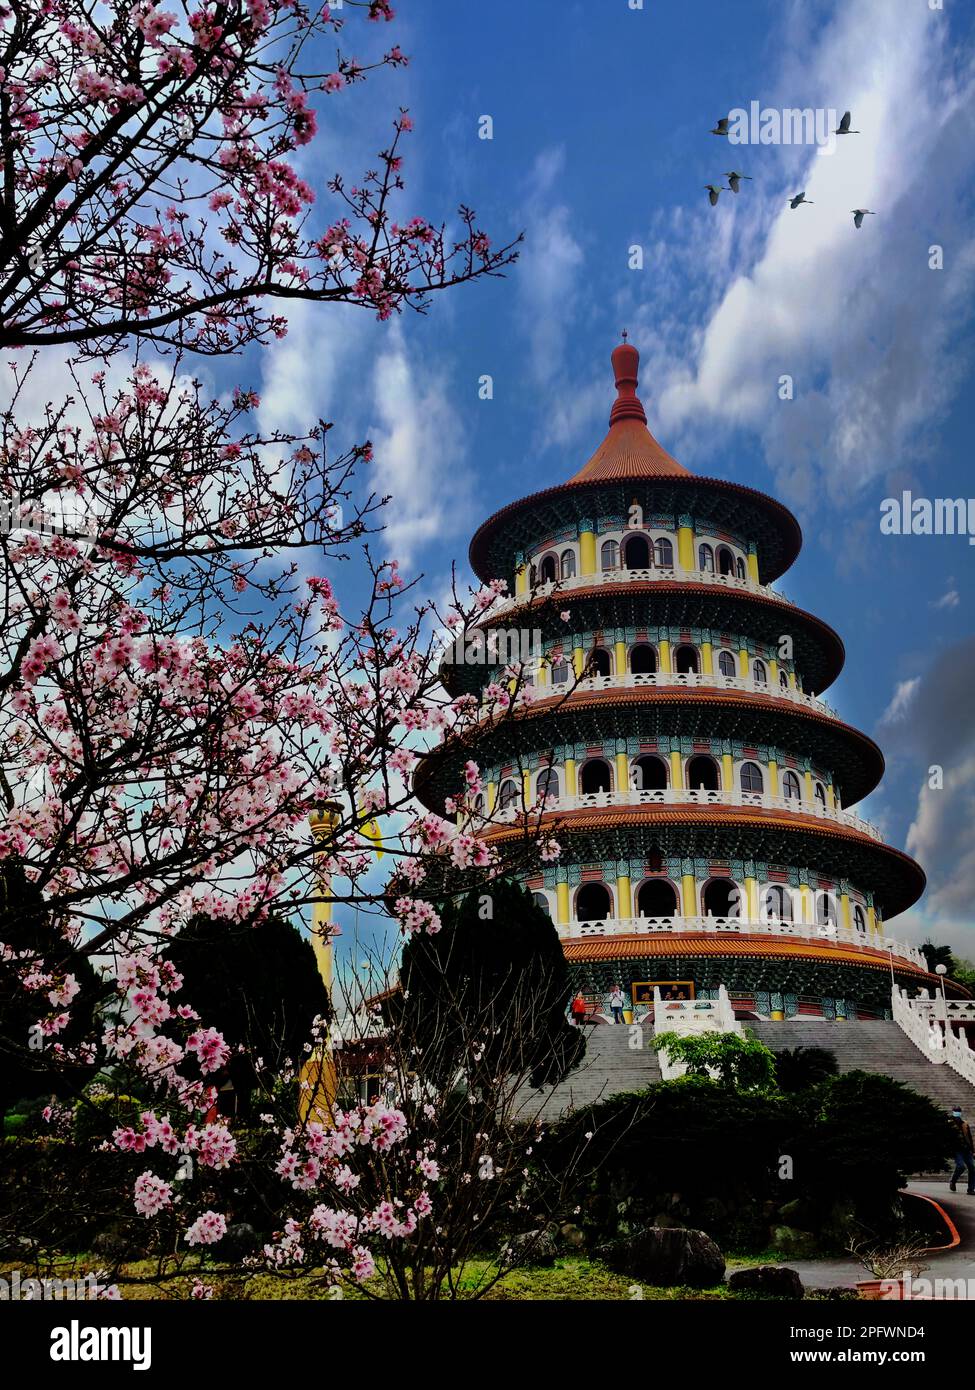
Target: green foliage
735	1060
26	926
97	1117
489	991
258	985
799	1068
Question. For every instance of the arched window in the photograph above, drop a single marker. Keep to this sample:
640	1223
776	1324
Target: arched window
656	898
778	903
825	910
508	794
859	918
648	773
663	552
759	673
726	561
705	558
643	659
636	553
600	662
702	773
819	791
721	898
593	903
548	570
547	785
783	680
686	660
609	555
790	787
726	663
751	778
595	775
478	804
560	671
541	900
740	569
568	563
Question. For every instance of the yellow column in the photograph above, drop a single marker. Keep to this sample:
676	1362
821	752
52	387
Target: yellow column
570	776
845	910
751	900
872	921
676	773
578	660
622	782
807	783
663	652
620	653
727	772
792	680
805	902
688	895
830	797
624	904
526	782
706	661
753	568
744	665
318	1077
521	579
542	674
773	668
587	552
491	800
773	777
685	547
562	902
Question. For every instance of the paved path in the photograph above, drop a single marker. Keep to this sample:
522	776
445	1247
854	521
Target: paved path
946	1264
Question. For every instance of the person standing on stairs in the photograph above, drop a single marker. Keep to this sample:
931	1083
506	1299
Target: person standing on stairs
579	1009
616	1003
964	1149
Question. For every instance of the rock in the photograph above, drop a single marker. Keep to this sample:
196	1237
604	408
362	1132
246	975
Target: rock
778	1280
572	1236
532	1248
666	1256
117	1244
798	1244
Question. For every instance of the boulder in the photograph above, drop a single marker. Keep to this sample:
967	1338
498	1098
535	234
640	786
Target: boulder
240	1241
572	1236
777	1280
531	1248
790	1241
666	1256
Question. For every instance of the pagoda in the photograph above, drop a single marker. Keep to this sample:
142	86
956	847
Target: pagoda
677	745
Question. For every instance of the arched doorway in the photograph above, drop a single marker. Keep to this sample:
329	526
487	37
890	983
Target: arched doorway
648	773
726	561
599	663
656	898
685	660
702	774
548	570
593	903
595	775
636	553
643	659
721	898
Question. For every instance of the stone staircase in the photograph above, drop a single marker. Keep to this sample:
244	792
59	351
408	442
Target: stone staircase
877	1046
609	1067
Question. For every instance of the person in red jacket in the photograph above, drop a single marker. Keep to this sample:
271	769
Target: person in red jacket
579	1010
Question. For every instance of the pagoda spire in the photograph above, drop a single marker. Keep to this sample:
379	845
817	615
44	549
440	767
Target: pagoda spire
626	366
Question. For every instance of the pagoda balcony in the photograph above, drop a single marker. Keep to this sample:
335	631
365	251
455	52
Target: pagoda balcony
684	796
656	574
729	927
695	680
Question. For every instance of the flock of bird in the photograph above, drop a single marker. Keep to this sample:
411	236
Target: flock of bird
735	176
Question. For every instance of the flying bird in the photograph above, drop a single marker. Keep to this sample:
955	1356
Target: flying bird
844	126
713	189
799	198
733	179
722	127
859	214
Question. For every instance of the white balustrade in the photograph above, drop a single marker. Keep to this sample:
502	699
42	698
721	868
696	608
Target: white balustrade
928	1020
692	680
657	574
738	926
693	796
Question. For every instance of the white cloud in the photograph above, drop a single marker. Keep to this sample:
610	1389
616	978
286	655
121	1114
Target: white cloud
950	599
901	701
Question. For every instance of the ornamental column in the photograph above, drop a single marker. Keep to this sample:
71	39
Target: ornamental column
318	1079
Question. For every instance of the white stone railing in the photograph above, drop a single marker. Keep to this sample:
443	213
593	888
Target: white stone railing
737	926
694	680
656	574
927	1022
684	796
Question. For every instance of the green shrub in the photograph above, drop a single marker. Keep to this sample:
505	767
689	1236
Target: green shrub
97	1117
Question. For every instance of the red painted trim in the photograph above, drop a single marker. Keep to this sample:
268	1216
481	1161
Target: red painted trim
952	1228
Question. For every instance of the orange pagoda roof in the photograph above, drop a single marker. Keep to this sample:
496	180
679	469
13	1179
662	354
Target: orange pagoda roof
629	449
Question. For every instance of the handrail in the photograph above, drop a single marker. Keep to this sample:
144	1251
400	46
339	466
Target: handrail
655	574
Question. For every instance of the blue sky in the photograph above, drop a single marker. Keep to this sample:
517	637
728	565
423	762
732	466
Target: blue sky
600	142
